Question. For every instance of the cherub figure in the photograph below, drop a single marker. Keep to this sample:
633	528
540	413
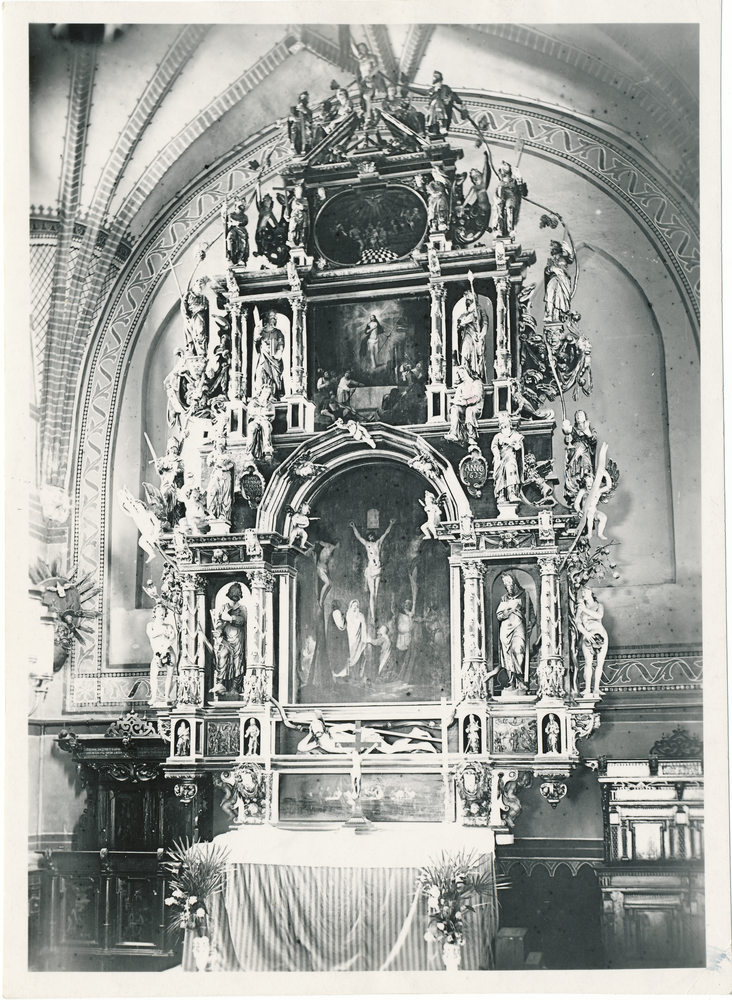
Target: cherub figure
357	431
299	524
433	509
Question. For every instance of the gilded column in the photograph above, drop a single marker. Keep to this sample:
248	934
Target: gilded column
437	335
503	339
551	667
238	360
192	668
299	345
474	672
260	639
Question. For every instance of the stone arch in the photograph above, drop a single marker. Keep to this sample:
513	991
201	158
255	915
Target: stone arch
337	451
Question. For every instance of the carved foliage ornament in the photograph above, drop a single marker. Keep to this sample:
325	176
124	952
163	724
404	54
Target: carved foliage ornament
679	744
131	724
553	789
247	788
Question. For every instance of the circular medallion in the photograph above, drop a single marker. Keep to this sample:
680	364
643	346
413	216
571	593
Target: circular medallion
371	226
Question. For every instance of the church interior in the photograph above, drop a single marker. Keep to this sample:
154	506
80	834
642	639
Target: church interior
365	520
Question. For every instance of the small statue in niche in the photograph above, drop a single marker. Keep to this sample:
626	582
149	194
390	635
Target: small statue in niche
230	632
472	330
507	446
300	519
298	219
516	614
163	636
260	417
183	740
433	510
558	283
472	733
220	485
510	191
146	522
580	439
236	221
552	732
269	348
442	101
251	734
594	640
467	403
372	571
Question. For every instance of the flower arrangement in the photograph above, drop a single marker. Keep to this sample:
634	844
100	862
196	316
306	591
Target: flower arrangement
448	885
196	871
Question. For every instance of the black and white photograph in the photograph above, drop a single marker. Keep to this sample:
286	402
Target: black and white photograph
367	417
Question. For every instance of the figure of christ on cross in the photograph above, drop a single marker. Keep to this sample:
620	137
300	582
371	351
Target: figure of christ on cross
372	572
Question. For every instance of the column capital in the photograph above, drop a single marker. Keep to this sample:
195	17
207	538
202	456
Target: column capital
262	579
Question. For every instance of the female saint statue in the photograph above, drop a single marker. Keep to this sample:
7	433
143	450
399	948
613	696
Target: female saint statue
269	366
516	615
558	283
230	634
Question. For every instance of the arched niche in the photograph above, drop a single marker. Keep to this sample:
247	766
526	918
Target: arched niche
395	644
494	590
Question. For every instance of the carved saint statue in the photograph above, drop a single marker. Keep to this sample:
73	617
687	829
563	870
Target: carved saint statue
558	282
269	347
260	417
509	193
594	640
580	439
516	615
507	446
163	636
237	237
442	100
252	737
298	219
472	331
467	403
220	484
230	633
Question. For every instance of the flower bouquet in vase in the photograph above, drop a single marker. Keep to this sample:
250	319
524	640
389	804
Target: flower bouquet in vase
196	872
449	885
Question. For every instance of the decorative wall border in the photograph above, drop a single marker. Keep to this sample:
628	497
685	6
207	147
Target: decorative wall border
639	188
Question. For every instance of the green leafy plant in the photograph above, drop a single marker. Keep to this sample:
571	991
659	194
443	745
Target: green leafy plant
196	872
450	883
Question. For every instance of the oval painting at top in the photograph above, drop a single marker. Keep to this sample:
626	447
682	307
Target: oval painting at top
371	226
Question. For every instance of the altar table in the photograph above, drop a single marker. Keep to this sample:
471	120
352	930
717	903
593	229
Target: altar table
329	901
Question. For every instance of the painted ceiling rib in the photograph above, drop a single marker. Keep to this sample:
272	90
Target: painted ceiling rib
415	46
55	375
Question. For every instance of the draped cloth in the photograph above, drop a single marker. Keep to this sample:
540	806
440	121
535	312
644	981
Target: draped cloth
298	918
